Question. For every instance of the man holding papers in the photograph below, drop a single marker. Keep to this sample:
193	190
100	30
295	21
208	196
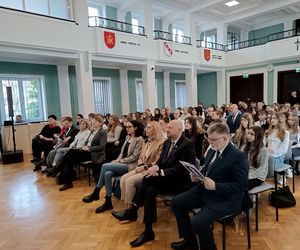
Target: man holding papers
219	194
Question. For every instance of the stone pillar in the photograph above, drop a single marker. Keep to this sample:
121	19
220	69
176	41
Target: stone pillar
167	98
64	90
84	79
191	84
124	91
149	86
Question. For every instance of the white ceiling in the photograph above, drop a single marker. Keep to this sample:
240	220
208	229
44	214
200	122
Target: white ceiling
210	13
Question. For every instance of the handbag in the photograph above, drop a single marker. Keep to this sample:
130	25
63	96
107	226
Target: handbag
282	198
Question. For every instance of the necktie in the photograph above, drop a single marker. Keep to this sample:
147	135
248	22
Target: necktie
213	159
171	147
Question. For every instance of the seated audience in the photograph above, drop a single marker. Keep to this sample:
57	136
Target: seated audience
277	142
167	176
113	135
240	135
79	141
234	119
262	121
43	142
257	155
93	150
150	154
220	193
126	161
191	132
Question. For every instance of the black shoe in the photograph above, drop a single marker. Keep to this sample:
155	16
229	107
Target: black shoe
91	197
107	205
127	214
185	244
142	239
66	186
37	168
40	163
35	160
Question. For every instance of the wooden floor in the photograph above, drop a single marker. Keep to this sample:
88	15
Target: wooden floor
35	215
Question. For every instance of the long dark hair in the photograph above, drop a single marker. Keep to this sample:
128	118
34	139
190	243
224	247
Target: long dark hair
140	128
191	133
255	146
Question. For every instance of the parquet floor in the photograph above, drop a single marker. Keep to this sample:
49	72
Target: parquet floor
35	215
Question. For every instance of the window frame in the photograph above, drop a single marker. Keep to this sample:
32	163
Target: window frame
21	78
99	78
176	101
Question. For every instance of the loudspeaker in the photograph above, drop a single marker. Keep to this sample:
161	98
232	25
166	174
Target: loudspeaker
12	157
297	24
10	102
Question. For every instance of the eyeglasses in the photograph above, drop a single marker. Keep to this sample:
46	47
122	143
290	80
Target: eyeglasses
130	126
213	140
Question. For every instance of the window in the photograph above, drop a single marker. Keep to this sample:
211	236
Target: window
102	95
15	4
56	8
93	14
177	35
135	25
233	40
180	94
28	98
139	95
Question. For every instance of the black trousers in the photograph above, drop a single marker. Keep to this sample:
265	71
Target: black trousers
252	183
70	159
39	146
200	223
147	192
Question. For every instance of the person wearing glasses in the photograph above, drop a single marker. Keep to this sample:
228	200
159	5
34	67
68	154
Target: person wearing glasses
167	176
220	192
126	161
150	154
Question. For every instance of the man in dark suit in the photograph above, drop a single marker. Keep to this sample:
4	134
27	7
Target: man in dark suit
167	176
93	150
220	193
234	120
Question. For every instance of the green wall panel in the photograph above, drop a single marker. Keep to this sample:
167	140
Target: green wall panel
173	78
132	75
159	76
51	81
207	88
73	91
114	74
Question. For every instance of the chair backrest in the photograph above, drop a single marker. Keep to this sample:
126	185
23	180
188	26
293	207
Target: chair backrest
289	154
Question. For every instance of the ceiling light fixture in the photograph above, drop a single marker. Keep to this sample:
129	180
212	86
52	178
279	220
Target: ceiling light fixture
232	3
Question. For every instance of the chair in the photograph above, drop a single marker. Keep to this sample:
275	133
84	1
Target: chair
87	165
255	191
225	220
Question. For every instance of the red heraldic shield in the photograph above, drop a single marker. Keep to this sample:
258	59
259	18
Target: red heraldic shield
207	54
109	39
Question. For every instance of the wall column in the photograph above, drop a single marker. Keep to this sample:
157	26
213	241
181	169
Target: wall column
221	88
190	27
85	84
222	33
64	90
191	84
150	95
124	91
148	21
167	89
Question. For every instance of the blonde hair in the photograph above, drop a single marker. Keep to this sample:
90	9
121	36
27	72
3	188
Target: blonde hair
158	132
281	126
